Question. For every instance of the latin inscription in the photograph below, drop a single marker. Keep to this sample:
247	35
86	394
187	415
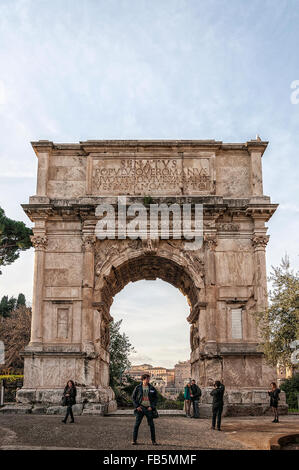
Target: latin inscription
139	176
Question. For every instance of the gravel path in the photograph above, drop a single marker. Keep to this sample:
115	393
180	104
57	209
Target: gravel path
95	432
113	433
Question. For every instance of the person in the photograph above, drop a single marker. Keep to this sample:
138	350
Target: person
69	393
274	398
187	398
195	396
217	406
144	399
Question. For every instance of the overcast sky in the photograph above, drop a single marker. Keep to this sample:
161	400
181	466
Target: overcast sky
158	69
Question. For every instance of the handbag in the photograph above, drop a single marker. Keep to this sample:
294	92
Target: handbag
155	413
63	401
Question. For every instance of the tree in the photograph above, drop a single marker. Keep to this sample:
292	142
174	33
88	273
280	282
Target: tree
279	323
7	305
15	333
14	238
21	300
120	349
291	387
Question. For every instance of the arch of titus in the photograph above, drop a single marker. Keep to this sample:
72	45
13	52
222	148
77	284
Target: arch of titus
77	275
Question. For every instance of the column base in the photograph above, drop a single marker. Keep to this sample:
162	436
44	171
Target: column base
246	402
100	400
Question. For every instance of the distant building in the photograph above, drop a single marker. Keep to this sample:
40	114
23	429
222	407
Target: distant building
170	382
182	373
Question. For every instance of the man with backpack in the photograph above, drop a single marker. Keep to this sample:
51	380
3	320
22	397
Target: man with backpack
217	406
195	397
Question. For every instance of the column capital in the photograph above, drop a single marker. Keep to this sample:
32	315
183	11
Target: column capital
88	242
260	241
39	241
211	240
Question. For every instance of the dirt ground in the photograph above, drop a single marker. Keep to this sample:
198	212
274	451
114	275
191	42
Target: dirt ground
115	433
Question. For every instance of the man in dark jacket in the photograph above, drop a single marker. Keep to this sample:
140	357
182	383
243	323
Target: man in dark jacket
217	406
195	396
144	399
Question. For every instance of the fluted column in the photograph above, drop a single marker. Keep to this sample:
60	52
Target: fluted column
210	240
87	292
39	242
259	242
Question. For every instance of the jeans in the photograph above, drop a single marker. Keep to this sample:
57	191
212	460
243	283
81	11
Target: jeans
195	404
69	411
217	412
150	421
187	407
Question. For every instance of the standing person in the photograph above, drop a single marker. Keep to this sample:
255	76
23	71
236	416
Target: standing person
145	399
274	397
217	406
195	396
69	393
187	398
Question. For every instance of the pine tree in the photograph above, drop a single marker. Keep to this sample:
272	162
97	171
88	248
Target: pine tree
21	300
14	238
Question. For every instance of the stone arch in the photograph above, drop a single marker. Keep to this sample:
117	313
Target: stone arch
118	263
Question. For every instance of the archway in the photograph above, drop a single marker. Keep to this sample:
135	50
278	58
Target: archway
76	275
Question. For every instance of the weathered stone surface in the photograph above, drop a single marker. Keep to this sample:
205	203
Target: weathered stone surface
77	275
56	410
16	409
39	410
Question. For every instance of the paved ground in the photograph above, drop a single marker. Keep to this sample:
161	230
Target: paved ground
173	433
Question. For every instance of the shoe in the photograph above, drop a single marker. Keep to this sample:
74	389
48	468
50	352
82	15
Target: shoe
134	443
63	421
277	421
72	421
155	443
213	428
218	429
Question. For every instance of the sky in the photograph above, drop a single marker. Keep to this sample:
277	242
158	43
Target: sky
159	69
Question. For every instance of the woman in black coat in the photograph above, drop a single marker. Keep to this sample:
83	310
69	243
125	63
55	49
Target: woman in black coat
274	397
70	400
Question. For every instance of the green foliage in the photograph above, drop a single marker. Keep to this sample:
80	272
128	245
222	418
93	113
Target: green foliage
181	396
14	238
291	388
120	349
172	405
7	305
279	324
11	377
21	300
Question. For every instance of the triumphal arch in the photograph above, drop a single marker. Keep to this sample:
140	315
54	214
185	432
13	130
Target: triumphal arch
77	274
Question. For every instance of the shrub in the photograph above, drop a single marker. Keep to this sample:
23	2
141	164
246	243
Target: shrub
291	388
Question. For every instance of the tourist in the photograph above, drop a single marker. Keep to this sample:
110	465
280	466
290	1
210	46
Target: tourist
195	396
217	406
187	398
69	398
274	397
145	399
